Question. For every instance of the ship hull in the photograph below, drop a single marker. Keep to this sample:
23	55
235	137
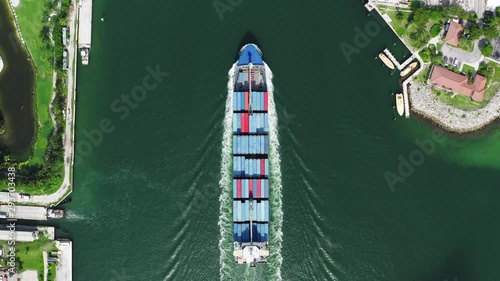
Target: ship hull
251	182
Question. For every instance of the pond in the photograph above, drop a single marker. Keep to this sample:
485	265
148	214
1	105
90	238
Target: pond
17	86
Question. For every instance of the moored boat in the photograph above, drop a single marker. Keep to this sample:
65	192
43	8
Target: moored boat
386	60
408	69
400	105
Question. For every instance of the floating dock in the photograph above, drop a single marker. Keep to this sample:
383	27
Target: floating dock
85	29
29	213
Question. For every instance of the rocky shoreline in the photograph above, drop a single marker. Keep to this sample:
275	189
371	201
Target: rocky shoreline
424	102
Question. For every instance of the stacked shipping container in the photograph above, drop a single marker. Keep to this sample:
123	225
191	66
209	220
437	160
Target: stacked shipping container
250	166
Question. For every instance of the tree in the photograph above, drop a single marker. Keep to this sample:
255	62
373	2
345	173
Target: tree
472	16
453	10
419	38
475	32
490	32
421	17
425	54
486	50
497	11
399	15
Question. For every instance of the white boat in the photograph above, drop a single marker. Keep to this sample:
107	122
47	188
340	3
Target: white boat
386	60
408	69
400	105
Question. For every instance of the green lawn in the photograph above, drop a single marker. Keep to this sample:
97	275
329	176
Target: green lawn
467	68
435	29
30	254
422	77
29	14
399	25
457	101
493	83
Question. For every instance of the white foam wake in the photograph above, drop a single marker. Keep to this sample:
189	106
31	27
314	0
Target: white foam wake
276	215
225	199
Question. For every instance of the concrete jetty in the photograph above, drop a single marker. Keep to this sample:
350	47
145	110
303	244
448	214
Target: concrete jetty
29	213
24	233
85	29
399	66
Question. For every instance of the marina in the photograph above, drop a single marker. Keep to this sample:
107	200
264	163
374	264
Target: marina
389	60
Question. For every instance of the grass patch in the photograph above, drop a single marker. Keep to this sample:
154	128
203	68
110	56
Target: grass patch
468	69
29	255
422	77
29	15
435	29
493	85
458	101
439	46
51	274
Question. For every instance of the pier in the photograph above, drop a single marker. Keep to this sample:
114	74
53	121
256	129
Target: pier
85	29
29	213
401	66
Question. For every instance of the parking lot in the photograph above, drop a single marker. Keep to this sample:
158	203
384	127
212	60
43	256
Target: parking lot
451	53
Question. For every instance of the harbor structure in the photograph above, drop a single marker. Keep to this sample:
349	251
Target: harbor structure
85	29
24	233
29	213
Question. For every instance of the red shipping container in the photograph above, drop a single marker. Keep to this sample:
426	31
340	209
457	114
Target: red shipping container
258	189
266	96
239	188
242	122
250	187
262	167
247	122
246	100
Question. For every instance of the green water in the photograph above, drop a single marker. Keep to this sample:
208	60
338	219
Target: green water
17	81
146	199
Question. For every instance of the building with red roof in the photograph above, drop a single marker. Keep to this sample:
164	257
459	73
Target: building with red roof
455	30
449	80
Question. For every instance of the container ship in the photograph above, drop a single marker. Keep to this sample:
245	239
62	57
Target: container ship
250	158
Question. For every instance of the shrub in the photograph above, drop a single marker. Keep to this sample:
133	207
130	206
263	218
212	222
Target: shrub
487	50
435	29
